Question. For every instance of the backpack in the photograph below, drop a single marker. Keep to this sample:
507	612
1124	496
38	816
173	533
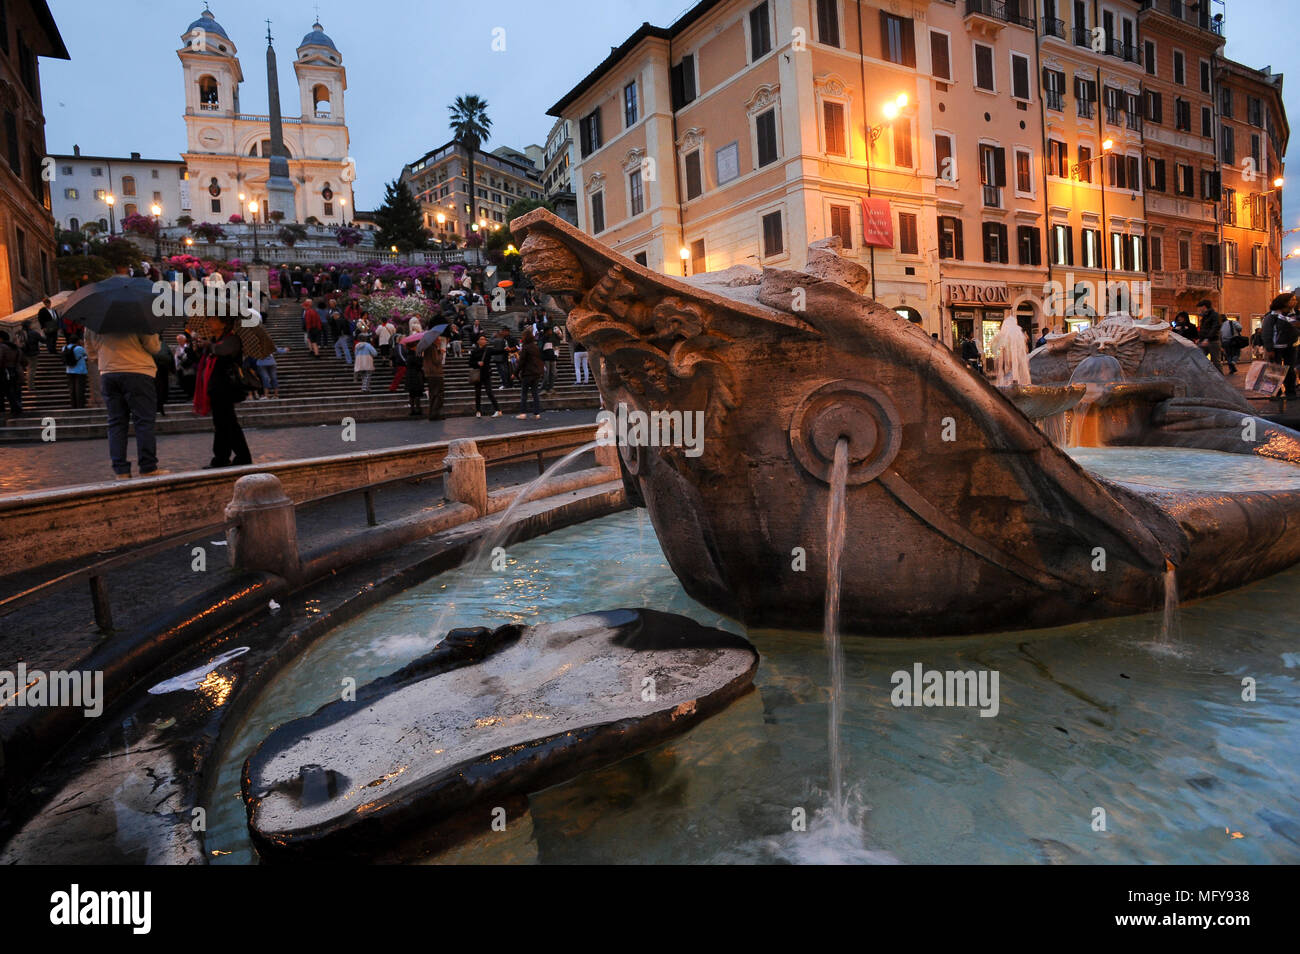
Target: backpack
70	355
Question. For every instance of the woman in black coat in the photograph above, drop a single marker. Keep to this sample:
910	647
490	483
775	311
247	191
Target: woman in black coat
225	390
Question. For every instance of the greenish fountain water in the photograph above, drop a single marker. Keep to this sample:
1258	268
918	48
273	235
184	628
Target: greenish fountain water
1100	715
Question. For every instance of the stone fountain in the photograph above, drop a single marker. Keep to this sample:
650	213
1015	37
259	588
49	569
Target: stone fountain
962	516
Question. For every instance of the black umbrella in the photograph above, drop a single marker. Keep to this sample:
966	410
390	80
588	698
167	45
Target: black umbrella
120	305
428	338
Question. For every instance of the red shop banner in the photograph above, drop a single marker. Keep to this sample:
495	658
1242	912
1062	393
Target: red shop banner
877	223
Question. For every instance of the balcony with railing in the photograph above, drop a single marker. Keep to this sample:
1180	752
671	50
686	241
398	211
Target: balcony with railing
1133	120
998	12
1054	99
1196	13
1082	36
1113	115
1086	108
1054	27
992	197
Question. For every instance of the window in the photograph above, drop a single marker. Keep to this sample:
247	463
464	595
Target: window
1054	88
993	174
1058	158
1154	110
1184	254
1028	245
635	193
1085	96
1182	115
15	150
215	205
1123	172
1254	149
1150	49
589	132
1180	76
940	56
950	237
698	262
598	213
1258	264
1062	245
329	208
22	252
984	67
65	170
828	22
1083	168
842	224
1090	247
1211	187
1155	174
1019	76
1229	149
897	39
1225	101
1024	172
765	126
694	177
1211	252
1230	258
629	105
945	158
70	193
760	36
773	241
1207	122
1254	111
1157	253
1183	184
99	195
908	240
153	173
96	171
902	136
73	224
833	119
682	80
995	242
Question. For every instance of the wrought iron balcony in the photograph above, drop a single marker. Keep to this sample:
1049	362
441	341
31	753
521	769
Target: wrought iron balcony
1008	11
1055	99
1053	27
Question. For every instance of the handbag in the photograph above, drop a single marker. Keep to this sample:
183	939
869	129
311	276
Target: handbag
475	375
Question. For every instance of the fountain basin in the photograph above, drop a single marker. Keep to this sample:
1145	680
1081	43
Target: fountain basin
1040	401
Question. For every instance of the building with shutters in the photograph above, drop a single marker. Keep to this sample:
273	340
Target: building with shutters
1055	160
27	32
84	185
439	180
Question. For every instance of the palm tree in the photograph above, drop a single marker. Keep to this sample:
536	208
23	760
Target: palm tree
470	125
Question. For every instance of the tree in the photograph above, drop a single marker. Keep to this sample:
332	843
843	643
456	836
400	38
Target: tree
400	220
471	126
208	231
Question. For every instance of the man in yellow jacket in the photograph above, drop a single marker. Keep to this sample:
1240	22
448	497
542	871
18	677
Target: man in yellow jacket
126	381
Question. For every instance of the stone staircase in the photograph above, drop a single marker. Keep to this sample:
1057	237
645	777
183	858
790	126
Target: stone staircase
312	390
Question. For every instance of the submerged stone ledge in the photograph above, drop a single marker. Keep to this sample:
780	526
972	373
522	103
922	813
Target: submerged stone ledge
487	715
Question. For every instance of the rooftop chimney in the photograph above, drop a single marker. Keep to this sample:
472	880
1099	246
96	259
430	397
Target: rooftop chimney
135	155
76	150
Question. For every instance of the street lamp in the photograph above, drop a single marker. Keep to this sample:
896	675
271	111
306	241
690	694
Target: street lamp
684	253
252	215
112	213
156	209
890	109
343	207
1277	187
1106	146
442	222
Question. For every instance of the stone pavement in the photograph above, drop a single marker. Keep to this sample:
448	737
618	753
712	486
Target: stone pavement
26	467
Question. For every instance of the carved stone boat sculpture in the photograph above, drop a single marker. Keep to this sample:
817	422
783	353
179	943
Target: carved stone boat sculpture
483	719
962	516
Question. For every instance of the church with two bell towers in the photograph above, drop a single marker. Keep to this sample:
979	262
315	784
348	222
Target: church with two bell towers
295	165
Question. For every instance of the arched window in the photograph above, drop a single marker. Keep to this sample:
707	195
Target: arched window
103	225
128	185
320	97
208	98
908	312
263	149
73	225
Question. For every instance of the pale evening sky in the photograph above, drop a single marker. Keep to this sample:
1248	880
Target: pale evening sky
406	60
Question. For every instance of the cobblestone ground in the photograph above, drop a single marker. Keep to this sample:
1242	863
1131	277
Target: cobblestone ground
27	467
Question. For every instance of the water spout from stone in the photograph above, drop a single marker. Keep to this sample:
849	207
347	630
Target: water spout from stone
1011	358
835	535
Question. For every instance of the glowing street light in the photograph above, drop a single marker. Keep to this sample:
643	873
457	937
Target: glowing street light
156	209
111	200
892	108
684	253
252	214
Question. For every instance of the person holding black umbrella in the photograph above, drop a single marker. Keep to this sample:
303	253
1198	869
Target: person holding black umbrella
121	341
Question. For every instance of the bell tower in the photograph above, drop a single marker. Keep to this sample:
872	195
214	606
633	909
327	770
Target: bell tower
210	64
322	80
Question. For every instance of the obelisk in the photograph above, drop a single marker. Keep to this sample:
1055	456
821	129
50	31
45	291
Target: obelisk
279	187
